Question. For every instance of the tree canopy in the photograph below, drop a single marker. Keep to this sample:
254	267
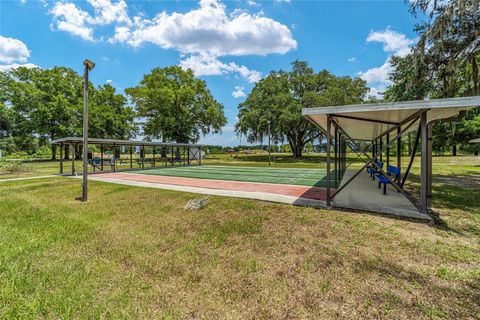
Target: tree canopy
46	104
176	105
279	98
443	64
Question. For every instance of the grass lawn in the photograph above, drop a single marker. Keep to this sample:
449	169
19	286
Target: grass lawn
136	253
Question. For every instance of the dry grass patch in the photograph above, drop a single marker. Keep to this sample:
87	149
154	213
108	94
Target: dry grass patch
135	252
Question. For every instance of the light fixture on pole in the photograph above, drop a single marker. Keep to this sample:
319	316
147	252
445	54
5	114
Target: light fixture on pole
89	65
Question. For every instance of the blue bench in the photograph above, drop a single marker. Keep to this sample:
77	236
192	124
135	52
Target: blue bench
392	172
372	170
96	162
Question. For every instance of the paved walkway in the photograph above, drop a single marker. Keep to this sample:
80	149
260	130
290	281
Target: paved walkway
27	178
363	194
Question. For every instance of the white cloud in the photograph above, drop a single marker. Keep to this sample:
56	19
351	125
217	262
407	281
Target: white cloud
107	12
8	67
238	92
253	3
23	1
352	60
210	29
201	36
378	74
210	65
69	18
393	42
13	50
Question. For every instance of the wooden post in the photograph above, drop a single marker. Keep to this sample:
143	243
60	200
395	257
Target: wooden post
73	158
329	127
131	157
166	155
113	158
101	156
61	158
153	156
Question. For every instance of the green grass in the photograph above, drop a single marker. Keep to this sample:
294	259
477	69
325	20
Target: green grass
136	253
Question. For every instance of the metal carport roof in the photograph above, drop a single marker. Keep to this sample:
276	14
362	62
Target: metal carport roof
378	118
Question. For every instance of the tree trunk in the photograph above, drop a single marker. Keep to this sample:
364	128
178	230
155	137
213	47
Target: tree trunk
476	86
54	152
295	145
67	152
454	150
298	151
78	152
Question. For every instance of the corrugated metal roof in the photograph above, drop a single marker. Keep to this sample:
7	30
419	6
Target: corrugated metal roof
368	121
123	142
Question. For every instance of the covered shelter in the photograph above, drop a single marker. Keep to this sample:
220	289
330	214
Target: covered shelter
371	130
116	155
475	140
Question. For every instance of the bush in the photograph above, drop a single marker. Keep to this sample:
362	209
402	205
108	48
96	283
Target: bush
9	167
18	155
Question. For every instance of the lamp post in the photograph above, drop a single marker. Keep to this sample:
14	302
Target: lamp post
89	65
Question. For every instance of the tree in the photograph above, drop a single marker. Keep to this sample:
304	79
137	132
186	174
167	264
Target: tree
280	97
176	105
443	64
47	103
109	116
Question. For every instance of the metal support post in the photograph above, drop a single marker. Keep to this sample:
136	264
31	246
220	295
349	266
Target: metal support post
399	149
329	127
425	161
388	148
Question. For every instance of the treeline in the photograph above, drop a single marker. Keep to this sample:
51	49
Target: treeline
40	105
444	64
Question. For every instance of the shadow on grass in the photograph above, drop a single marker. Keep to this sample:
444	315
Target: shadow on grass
453	192
468	296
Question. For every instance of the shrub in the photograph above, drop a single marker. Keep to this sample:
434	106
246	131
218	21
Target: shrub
9	167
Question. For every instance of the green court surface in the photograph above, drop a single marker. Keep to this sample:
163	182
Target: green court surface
302	177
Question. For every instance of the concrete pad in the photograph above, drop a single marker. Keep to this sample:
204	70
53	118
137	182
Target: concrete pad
363	194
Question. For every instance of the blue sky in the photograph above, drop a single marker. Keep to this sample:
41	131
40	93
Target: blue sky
229	44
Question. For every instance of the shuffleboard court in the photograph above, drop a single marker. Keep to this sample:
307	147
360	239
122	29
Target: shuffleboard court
289	176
